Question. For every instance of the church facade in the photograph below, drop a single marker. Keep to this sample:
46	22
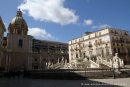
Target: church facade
22	51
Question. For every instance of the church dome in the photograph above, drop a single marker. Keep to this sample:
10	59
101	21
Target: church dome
17	20
18	25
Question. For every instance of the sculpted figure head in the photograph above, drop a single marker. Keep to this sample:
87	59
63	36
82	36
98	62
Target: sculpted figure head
116	54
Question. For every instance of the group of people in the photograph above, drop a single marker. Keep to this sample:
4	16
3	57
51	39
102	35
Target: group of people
14	74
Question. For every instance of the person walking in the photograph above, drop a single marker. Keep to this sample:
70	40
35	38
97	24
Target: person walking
9	74
13	75
18	74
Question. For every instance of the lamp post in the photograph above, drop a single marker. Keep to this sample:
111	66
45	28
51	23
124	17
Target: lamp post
112	66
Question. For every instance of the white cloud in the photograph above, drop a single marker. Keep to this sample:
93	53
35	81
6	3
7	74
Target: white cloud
49	10
88	22
39	33
101	26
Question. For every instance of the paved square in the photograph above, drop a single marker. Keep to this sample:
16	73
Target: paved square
27	82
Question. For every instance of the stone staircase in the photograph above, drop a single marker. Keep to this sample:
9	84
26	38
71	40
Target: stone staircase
103	65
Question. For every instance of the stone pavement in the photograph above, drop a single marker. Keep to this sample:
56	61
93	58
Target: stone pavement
27	82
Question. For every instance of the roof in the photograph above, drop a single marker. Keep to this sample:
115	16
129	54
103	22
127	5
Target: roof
2	24
18	20
48	41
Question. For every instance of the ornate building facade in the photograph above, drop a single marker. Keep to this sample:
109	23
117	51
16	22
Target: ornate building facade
103	42
22	51
2	30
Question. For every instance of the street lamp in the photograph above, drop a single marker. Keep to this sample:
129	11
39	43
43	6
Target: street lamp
111	57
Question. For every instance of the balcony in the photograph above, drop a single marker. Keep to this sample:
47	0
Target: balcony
118	41
90	45
127	42
71	49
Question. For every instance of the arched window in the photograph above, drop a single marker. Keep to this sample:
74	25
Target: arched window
114	50
112	38
20	43
89	37
100	40
95	35
99	33
84	55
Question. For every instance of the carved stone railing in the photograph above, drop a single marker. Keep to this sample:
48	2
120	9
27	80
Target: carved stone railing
105	62
94	64
55	66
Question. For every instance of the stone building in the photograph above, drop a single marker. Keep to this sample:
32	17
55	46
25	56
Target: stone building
105	41
22	51
44	51
2	30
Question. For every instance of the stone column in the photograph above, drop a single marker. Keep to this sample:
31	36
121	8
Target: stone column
29	61
22	31
10	43
29	45
9	61
40	60
6	64
1	55
16	31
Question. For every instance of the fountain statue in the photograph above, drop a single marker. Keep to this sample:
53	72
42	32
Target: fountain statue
117	62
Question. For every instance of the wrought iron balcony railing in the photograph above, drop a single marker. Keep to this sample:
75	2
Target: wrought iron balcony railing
118	41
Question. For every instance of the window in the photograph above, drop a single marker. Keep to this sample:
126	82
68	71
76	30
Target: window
35	59
116	38
75	41
100	40
99	33
119	51
96	42
107	51
112	38
116	32
84	55
52	59
113	44
111	31
125	33
89	37
19	32
128	50
76	55
95	35
114	50
44	59
20	43
82	38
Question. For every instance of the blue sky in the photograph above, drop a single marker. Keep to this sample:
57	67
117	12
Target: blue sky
64	20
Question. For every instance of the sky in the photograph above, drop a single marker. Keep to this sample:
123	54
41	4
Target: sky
64	20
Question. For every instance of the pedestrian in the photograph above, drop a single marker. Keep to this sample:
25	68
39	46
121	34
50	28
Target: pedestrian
13	75
18	73
9	74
